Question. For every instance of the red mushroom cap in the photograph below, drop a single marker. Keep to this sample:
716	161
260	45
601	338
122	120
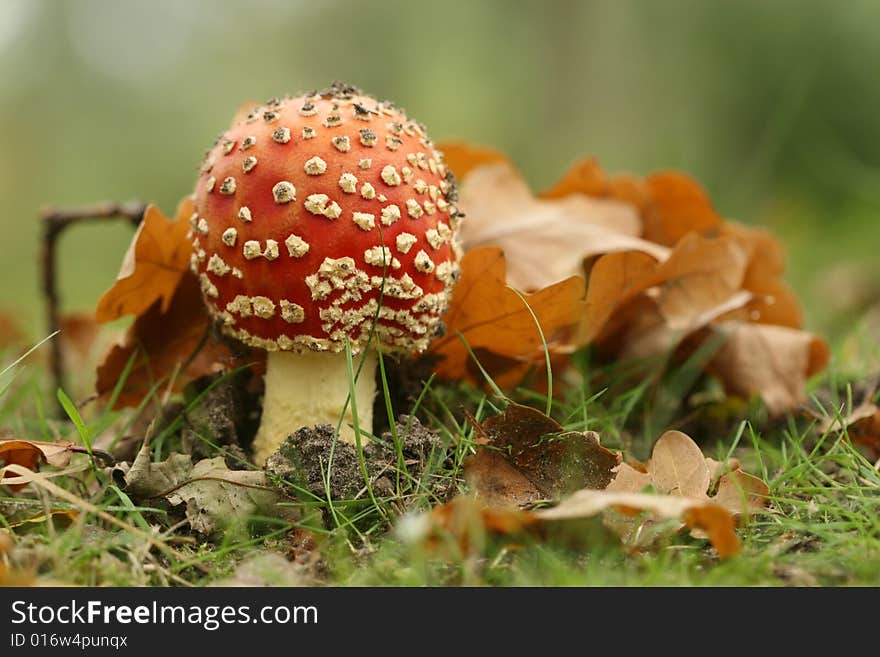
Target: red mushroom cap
316	215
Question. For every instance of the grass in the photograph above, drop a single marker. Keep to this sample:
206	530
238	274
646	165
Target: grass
823	528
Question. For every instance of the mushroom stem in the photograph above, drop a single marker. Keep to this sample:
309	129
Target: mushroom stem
304	390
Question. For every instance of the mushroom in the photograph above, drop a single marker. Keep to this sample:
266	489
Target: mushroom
324	220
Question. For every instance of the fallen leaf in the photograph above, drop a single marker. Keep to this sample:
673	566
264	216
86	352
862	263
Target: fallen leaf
65	516
862	424
463	521
468	523
147	479
152	268
675	272
545	240
491	316
671	204
215	496
717	523
462	158
741	493
773	301
678	468
771	361
527	456
638	308
496	483
30	453
689	289
162	342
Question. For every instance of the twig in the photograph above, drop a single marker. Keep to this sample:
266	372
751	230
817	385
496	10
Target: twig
55	222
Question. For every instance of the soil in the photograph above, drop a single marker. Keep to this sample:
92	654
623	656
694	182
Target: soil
303	460
228	416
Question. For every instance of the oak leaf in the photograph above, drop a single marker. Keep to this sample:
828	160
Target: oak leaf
861	423
30	453
163	344
545	240
492	317
709	518
671	204
153	267
462	157
215	496
701	279
688	277
772	361
525	456
679	469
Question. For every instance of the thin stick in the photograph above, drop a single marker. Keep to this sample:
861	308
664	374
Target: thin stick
55	222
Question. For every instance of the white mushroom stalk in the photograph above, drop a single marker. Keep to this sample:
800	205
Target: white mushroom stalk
313	388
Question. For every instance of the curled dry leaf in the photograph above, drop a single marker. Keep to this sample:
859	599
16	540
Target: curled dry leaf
526	456
700	280
463	521
678	473
163	344
668	268
772	361
637	307
671	204
545	240
146	479
713	520
679	469
862	424
151	271
30	453
215	496
492	317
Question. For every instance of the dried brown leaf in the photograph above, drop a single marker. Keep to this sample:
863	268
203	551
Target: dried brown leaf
493	317
715	521
527	457
545	240
741	493
496	483
678	467
462	158
30	453
701	279
152	268
671	204
161	343
862	424
771	361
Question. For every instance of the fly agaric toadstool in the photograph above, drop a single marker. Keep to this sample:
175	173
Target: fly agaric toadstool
322	220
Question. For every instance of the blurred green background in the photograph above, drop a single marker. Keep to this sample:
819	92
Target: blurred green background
773	106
